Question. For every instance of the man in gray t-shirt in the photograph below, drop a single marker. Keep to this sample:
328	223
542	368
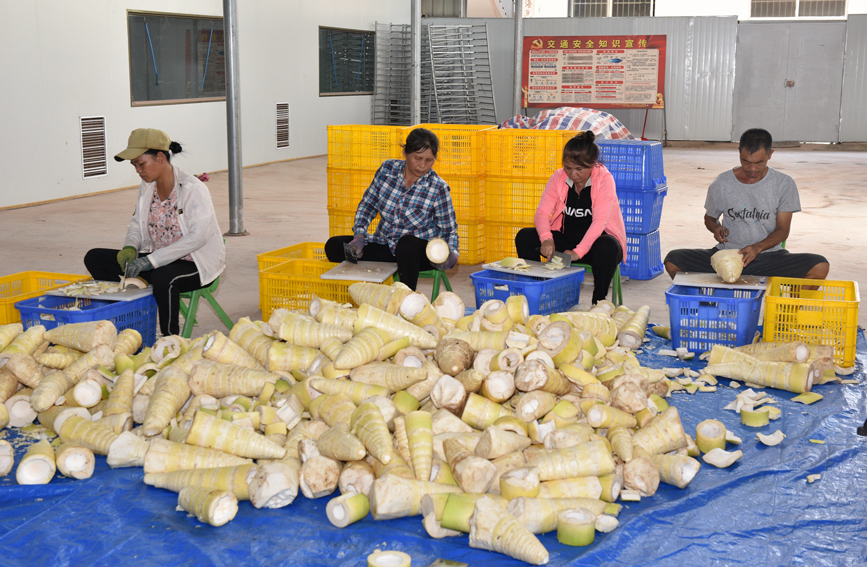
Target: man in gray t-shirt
749	209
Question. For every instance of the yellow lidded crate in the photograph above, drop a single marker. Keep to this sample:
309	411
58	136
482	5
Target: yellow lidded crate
518	152
462	147
308	250
825	316
362	146
513	199
292	284
24	285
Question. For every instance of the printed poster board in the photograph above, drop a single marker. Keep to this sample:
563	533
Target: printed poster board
605	71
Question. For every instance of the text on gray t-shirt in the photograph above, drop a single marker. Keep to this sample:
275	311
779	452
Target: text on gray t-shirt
749	211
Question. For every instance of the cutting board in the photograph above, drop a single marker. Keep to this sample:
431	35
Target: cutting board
698	279
126	295
536	270
376	272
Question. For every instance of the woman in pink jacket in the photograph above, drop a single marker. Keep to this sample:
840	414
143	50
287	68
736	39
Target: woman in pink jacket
579	214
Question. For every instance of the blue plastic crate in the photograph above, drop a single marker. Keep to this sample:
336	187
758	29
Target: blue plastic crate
703	317
643	259
52	311
641	210
544	295
635	164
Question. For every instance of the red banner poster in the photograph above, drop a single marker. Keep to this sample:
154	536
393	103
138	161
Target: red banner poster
604	71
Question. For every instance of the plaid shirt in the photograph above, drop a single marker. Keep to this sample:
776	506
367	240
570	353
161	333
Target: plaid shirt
424	210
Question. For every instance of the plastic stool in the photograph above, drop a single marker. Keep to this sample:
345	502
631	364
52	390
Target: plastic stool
437	275
189	311
616	284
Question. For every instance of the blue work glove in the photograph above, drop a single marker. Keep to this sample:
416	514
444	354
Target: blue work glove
357	242
126	256
449	263
138	266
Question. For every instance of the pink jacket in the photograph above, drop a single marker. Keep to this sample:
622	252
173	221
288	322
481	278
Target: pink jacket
606	209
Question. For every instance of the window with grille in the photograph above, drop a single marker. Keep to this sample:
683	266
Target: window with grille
614	8
175	58
797	8
347	62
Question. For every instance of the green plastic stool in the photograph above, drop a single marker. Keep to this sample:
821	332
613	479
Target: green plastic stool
189	310
438	276
616	284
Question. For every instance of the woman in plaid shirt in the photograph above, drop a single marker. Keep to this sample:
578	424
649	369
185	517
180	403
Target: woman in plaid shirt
414	205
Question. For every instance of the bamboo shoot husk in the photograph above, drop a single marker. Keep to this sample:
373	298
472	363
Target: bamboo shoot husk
235	479
84	336
395	497
210	432
493	530
167	456
394	326
214	507
220	348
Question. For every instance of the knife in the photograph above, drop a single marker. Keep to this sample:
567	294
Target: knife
349	253
123	277
564	256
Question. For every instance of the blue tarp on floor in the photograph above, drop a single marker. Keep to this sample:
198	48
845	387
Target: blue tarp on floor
760	511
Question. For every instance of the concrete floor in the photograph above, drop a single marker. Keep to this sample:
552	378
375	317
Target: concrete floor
285	203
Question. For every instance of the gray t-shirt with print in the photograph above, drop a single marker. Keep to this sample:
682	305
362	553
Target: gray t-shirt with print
749	211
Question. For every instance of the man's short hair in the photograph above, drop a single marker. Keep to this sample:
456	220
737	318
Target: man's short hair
755	139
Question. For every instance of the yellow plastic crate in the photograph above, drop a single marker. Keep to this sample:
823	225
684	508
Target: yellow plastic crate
825	316
346	187
500	239
24	285
471	235
516	152
362	146
308	250
471	239
462	147
513	199
468	196
292	284
340	222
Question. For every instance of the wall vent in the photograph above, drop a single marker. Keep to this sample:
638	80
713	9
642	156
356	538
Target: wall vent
282	125
93	159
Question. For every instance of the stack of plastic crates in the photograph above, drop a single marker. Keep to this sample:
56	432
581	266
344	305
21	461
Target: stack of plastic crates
355	152
519	163
636	166
461	163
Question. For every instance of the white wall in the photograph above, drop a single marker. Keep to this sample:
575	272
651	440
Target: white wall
739	8
62	62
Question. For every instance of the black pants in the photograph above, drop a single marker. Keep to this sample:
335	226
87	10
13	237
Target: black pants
603	256
409	254
169	282
781	263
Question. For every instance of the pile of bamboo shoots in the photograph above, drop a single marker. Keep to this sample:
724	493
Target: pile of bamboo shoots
498	424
